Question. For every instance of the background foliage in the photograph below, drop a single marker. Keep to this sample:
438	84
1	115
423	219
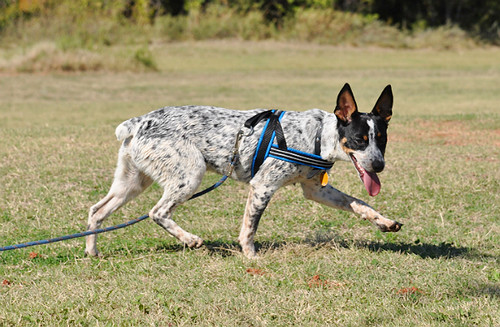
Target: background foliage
478	18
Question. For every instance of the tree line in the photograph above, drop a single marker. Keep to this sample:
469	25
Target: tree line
478	17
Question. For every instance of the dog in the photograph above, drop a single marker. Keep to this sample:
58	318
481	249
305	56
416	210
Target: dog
174	146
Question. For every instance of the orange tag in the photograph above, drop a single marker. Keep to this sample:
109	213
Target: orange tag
324	178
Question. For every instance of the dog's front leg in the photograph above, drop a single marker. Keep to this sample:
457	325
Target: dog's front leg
257	201
334	198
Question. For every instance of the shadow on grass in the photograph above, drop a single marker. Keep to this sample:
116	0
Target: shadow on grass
219	247
422	249
227	248
488	289
223	248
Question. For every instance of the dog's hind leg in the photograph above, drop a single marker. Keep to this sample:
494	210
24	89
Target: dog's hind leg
162	215
127	184
179	178
334	198
177	190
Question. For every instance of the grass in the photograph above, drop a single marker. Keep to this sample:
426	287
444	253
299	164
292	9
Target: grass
317	266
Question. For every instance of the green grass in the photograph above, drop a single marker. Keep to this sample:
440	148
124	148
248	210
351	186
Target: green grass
318	266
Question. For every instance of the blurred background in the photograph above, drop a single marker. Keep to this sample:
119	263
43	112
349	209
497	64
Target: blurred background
81	32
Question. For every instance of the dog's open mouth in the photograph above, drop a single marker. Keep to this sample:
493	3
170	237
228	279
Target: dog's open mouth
370	180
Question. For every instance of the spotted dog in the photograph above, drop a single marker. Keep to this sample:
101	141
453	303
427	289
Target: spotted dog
175	146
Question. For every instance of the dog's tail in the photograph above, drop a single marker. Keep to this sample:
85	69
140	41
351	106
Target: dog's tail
127	128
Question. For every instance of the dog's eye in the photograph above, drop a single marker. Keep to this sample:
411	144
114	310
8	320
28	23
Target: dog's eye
361	139
380	137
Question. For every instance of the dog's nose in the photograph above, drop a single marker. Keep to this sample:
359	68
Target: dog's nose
378	165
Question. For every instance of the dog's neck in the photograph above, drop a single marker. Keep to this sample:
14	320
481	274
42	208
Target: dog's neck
330	143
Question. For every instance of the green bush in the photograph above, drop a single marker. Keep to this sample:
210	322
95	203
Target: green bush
171	28
336	27
145	58
214	22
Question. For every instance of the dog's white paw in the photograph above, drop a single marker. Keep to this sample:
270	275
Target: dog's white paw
390	226
193	241
92	253
252	256
367	213
249	251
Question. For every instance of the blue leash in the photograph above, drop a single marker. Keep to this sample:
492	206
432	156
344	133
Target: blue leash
131	222
76	235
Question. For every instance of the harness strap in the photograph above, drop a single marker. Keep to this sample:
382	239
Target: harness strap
299	157
271	130
254	120
266	148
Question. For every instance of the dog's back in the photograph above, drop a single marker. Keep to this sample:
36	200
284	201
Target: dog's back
212	132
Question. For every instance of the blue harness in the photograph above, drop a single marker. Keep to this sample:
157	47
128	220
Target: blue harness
266	147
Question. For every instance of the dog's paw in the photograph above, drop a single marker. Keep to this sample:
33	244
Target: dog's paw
194	242
251	255
249	252
390	227
93	253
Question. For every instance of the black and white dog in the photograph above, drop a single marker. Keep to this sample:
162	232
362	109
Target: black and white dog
174	146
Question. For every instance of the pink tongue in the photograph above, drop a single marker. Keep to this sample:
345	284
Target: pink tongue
372	183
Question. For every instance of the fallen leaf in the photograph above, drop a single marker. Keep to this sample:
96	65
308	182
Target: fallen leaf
6	282
409	290
319	281
255	271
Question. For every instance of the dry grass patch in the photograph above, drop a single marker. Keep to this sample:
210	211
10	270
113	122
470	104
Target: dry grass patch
448	132
44	57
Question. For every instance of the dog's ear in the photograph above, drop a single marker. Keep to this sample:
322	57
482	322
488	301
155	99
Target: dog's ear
346	105
383	107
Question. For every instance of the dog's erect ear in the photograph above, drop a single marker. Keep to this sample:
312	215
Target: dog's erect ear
383	107
346	105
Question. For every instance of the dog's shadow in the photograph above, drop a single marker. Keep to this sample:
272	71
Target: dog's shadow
422	249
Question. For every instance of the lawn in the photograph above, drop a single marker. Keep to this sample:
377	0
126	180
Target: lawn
317	266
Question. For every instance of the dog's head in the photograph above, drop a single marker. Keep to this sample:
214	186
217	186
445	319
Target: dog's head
363	136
